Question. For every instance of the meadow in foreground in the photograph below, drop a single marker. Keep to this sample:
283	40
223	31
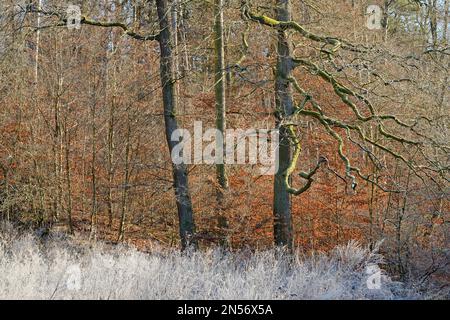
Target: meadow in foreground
62	268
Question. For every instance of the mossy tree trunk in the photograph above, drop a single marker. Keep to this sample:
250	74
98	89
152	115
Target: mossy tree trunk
283	230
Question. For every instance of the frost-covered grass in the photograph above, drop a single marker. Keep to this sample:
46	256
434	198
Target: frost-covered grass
62	269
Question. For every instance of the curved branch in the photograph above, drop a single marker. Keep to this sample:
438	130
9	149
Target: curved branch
285	25
87	21
307	176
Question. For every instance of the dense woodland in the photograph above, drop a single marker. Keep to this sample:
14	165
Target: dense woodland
86	117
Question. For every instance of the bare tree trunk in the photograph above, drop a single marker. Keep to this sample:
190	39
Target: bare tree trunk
401	216
110	140
385	19
445	27
57	154
6	178
68	178
110	163
174	14
219	86
183	40
180	173
111	124
36	80
283	229
433	11
126	180
57	147
38	38
84	180
93	231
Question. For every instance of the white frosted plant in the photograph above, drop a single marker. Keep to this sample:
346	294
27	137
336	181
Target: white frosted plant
62	269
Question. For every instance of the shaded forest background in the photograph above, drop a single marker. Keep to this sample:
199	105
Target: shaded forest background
81	127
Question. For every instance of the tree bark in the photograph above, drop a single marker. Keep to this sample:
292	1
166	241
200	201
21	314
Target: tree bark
219	86
283	230
111	125
93	230
180	173
445	24
432	7
220	95
68	174
38	38
126	180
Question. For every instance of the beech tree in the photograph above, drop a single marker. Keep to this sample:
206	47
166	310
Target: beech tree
329	65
